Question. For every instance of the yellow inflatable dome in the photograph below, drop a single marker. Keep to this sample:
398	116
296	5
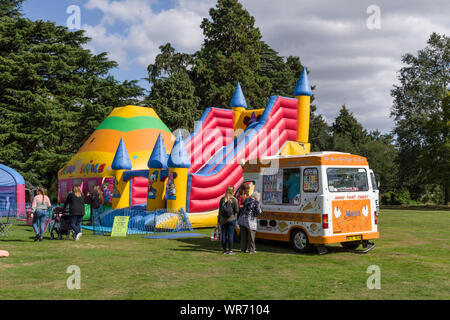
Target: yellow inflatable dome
91	165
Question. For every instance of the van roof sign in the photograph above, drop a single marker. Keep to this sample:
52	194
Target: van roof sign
310	159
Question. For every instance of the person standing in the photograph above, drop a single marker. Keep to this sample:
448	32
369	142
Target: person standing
75	201
293	186
228	209
244	193
39	206
96	198
248	222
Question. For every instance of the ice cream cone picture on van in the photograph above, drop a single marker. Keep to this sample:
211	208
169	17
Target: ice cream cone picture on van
365	217
338	217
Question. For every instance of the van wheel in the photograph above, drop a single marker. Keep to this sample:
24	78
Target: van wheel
351	245
299	241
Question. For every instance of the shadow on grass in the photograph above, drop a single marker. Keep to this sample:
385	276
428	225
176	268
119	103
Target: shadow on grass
206	245
15	240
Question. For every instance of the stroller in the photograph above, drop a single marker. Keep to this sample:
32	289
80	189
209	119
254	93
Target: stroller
60	224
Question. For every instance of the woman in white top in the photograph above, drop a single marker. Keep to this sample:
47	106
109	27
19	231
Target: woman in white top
39	206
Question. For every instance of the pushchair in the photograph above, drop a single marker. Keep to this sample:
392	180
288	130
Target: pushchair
60	224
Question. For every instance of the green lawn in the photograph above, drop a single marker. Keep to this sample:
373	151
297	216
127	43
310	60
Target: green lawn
412	253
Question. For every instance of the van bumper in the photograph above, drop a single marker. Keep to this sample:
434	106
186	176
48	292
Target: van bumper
342	238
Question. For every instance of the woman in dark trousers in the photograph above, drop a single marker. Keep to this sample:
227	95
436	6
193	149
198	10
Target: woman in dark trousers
228	210
244	193
96	198
248	222
75	201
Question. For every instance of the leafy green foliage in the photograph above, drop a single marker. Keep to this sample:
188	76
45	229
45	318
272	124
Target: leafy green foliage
349	136
10	8
53	94
173	92
167	63
283	73
421	114
347	129
174	101
231	52
319	133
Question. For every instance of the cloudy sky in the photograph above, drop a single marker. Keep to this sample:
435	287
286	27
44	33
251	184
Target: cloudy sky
352	48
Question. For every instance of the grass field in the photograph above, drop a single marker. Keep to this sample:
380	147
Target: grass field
412	254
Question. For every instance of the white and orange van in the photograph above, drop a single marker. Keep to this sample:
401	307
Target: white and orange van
315	199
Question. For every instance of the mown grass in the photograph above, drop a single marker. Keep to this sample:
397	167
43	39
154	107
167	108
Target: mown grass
412	253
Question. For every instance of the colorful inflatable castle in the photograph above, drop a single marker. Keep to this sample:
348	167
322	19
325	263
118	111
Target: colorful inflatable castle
137	160
135	127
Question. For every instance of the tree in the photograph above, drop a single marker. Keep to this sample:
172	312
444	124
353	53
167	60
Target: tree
53	94
283	73
319	133
10	8
346	127
420	111
231	52
168	62
348	135
174	100
173	93
380	151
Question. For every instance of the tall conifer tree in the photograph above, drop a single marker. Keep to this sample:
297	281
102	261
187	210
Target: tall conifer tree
53	94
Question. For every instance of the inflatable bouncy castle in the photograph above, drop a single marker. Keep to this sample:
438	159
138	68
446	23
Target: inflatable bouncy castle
137	160
138	129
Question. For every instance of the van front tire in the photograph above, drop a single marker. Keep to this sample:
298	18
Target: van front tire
300	242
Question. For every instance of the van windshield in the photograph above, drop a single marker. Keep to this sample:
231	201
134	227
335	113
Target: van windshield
347	179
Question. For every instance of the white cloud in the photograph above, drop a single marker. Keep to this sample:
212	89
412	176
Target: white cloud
138	44
348	62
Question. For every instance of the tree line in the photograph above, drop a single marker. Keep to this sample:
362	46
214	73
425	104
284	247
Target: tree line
54	93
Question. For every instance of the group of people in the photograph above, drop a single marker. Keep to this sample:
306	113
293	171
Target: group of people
75	201
243	211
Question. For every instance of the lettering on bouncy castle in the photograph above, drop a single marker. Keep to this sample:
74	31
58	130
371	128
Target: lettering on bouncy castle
85	168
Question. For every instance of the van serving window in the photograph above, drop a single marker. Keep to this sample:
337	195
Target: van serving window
281	186
310	180
347	179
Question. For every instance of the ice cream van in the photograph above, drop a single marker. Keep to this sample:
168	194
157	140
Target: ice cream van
316	199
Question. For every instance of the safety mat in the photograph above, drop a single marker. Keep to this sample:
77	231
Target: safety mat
176	235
